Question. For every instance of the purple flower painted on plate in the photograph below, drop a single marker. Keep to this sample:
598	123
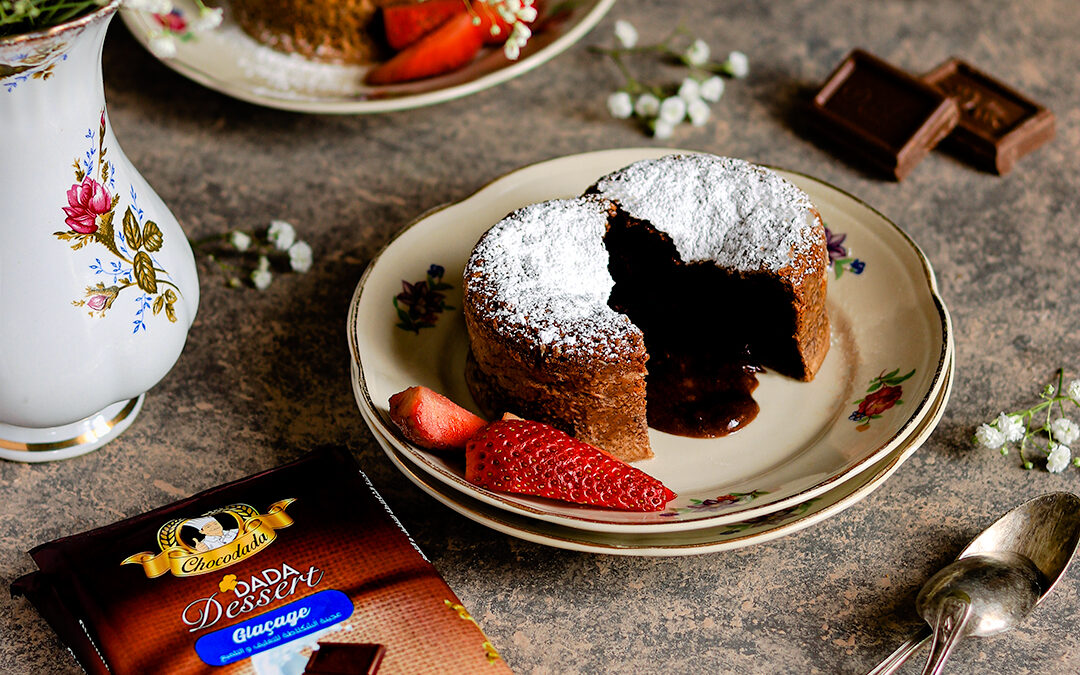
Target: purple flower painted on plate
835	243
839	257
419	304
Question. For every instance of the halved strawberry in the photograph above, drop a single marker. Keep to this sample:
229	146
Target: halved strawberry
431	420
447	48
537	459
407	22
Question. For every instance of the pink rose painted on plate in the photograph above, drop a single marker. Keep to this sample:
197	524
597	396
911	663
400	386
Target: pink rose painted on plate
86	201
883	394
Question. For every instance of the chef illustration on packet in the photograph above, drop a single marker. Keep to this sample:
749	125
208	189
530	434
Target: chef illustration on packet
214	535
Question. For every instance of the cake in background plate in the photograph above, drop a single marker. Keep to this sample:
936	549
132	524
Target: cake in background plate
337	31
708	268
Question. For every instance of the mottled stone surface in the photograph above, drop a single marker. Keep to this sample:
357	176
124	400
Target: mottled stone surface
264	376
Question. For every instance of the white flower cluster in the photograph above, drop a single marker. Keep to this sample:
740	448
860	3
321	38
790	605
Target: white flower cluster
278	240
690	103
163	43
517	14
1023	427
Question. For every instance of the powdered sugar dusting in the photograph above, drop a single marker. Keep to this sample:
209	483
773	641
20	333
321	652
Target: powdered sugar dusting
542	273
718	209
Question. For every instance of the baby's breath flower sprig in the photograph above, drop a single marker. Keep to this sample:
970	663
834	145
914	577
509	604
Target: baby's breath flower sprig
661	108
516	14
1037	429
274	246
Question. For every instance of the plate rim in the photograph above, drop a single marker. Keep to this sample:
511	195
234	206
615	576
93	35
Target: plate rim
890	464
585	522
350	106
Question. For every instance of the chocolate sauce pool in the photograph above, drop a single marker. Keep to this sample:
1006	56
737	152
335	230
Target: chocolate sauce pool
701	396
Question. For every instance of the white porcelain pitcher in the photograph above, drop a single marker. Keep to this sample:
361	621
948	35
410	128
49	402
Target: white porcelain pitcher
98	286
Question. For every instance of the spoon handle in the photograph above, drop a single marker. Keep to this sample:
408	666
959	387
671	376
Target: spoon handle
950	626
893	661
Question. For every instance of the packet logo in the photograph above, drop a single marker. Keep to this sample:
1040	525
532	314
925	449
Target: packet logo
212	541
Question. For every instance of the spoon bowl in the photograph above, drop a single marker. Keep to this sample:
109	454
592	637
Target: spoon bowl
1002	588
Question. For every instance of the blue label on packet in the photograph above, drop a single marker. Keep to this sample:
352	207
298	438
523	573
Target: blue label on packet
274	628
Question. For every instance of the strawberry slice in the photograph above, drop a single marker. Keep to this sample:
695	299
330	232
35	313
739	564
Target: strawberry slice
407	22
447	48
431	420
537	459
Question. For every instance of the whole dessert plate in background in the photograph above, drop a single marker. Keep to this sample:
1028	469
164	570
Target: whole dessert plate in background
682	542
230	61
886	366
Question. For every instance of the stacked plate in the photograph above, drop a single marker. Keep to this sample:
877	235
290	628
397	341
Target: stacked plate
815	448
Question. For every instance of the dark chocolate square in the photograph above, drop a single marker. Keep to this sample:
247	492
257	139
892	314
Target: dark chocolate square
997	125
881	113
345	658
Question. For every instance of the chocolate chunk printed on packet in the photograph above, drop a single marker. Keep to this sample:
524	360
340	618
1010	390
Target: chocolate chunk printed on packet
882	114
998	125
299	568
345	658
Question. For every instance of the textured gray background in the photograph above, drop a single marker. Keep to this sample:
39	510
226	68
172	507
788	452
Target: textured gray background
264	376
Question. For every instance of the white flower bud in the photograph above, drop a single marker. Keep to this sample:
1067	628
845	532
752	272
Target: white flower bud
663	129
1058	459
626	34
690	90
698	53
738	65
673	110
300	257
240	241
1064	430
989	437
281	234
698	111
712	89
619	105
261	279
647	106
162	46
1011	427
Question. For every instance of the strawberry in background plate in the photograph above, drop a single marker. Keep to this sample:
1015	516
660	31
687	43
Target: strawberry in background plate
532	458
436	37
407	22
447	48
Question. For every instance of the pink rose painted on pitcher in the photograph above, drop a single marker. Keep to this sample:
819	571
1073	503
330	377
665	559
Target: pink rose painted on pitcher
86	201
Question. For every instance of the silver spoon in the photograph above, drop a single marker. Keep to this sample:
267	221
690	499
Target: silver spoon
1044	531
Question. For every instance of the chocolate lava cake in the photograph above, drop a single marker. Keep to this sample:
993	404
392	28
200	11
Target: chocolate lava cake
708	268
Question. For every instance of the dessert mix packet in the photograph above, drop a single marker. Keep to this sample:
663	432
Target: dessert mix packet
300	569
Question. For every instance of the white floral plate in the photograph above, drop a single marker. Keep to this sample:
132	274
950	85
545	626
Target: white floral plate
891	335
228	60
684	542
